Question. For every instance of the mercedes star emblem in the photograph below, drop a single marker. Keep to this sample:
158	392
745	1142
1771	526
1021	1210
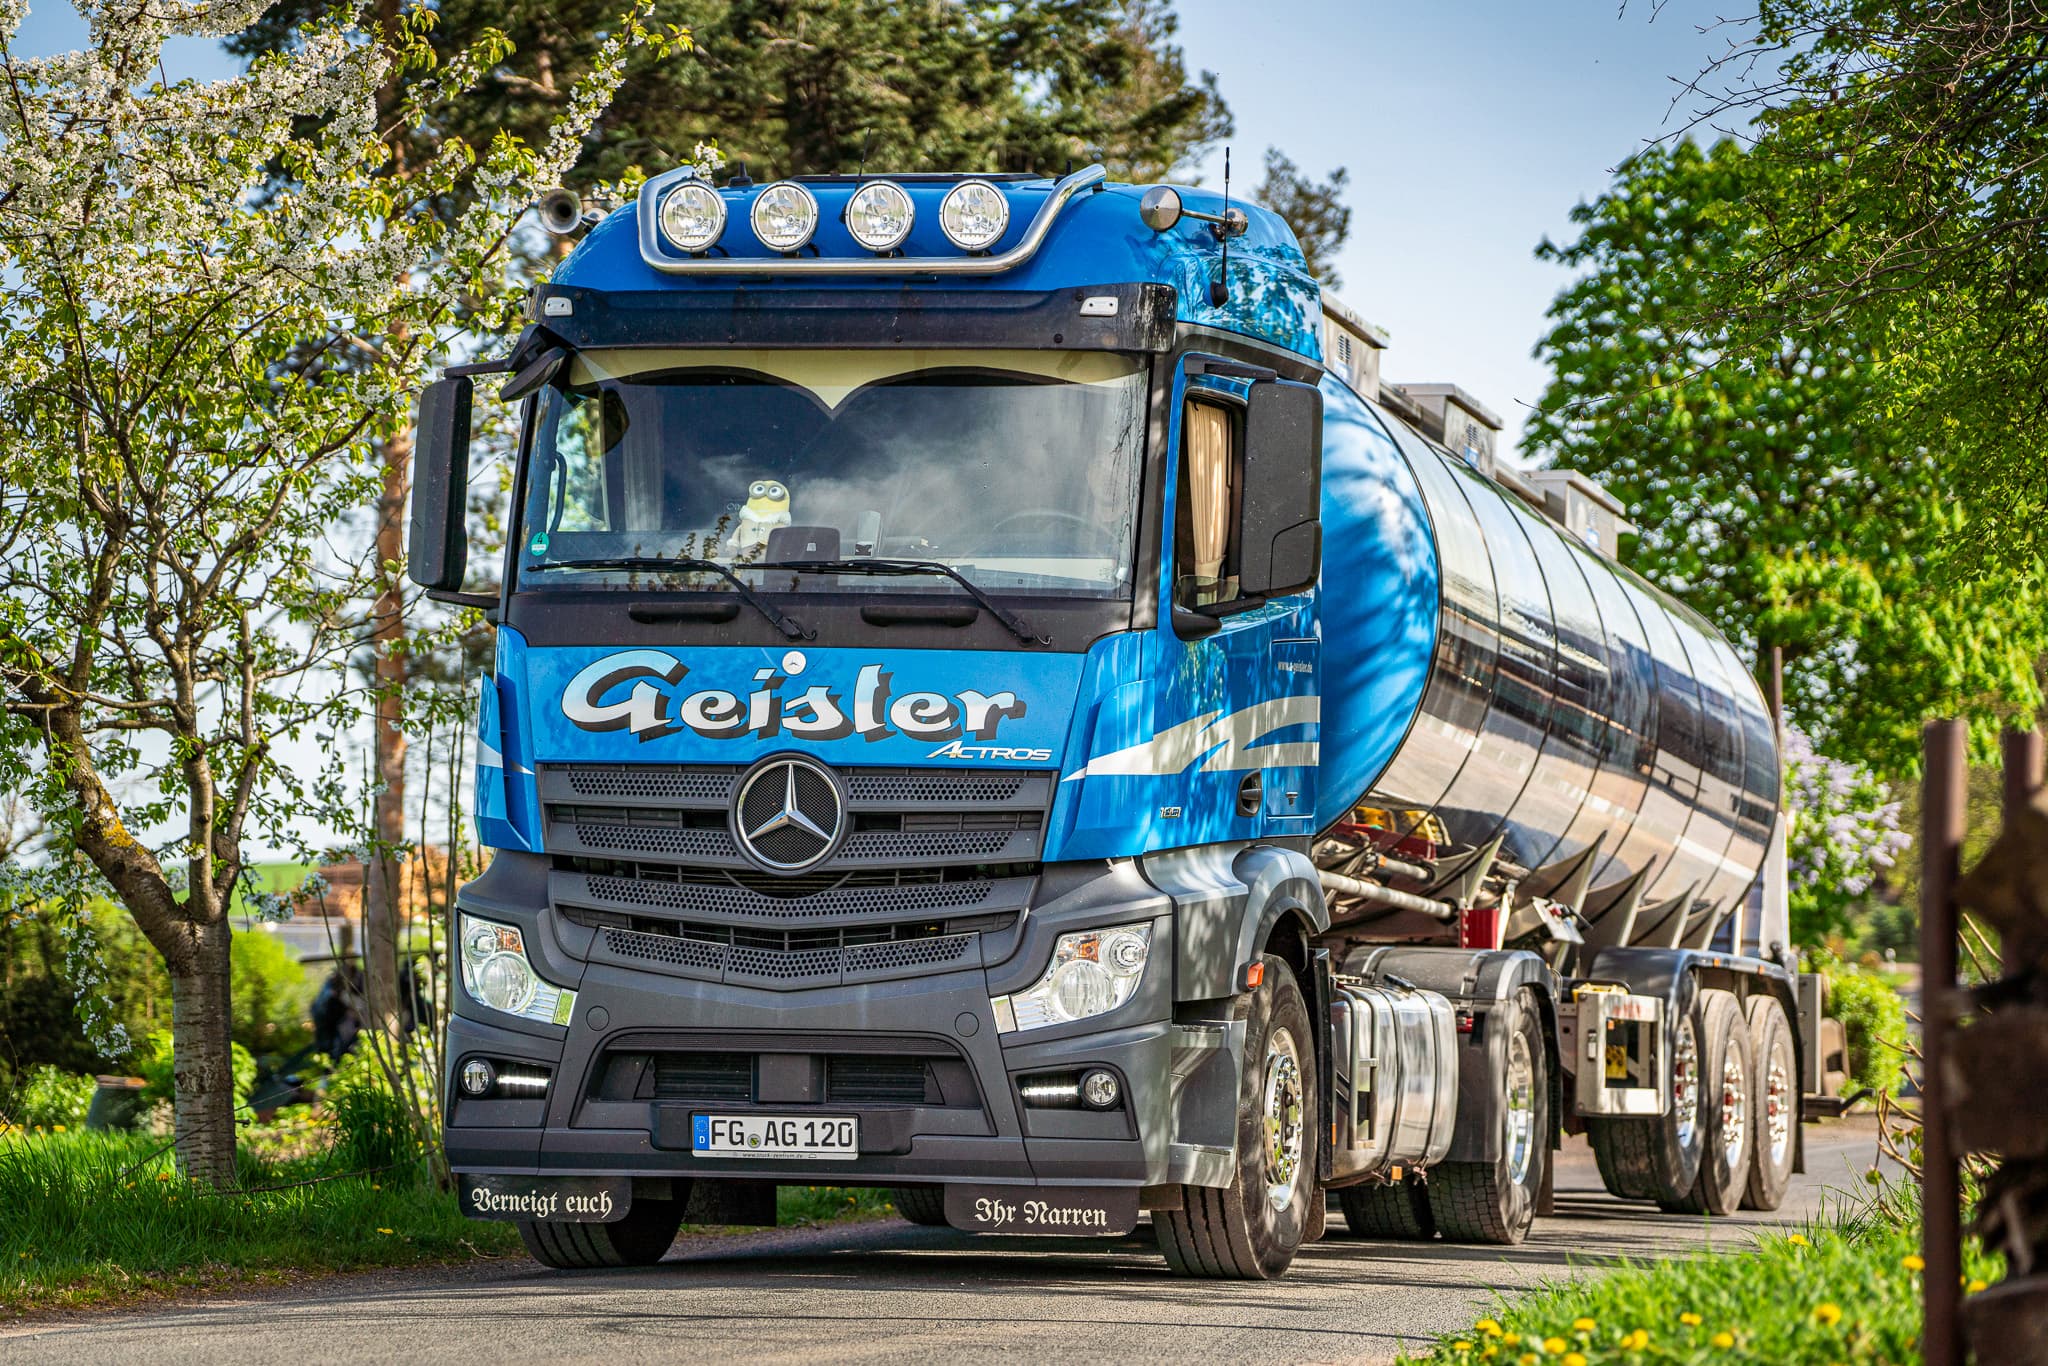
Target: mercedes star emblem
788	814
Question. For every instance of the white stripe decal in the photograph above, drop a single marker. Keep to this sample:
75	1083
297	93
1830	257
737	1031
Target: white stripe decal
1233	738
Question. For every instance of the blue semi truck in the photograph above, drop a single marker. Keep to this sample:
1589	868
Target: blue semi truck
979	711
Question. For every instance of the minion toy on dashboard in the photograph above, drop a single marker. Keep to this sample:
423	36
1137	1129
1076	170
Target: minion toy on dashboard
767	508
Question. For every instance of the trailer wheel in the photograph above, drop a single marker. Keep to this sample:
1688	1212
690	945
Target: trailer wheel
642	1238
920	1204
1776	1111
1659	1159
1400	1210
1726	1072
1495	1202
1251	1229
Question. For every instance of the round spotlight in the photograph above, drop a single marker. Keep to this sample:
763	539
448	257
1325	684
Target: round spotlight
693	216
879	215
973	215
477	1077
785	215
1099	1090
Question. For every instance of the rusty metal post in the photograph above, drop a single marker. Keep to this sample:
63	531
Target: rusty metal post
2024	752
1944	805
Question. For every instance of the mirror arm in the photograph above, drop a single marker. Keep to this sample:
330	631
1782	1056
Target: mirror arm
485	602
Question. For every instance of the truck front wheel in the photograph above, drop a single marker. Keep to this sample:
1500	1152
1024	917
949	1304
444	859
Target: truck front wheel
1250	1229
1495	1202
642	1238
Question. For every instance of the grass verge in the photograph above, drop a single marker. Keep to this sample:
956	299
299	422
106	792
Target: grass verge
1844	1290
96	1219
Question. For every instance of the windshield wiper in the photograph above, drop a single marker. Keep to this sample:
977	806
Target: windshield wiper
656	564
898	568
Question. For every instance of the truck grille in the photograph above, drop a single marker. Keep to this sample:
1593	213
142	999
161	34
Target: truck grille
933	858
784	1070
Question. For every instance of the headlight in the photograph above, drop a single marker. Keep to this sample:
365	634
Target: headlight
879	215
693	216
973	215
495	973
1091	972
785	216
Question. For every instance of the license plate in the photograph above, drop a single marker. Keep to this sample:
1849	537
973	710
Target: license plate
807	1136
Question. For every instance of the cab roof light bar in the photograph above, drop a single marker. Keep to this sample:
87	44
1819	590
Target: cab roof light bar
655	254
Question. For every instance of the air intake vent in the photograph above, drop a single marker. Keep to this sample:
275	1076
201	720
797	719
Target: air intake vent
704	1076
855	1080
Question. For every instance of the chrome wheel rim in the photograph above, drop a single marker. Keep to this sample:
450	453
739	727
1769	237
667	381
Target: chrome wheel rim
1685	1084
1778	1109
1280	1112
1521	1110
1734	1109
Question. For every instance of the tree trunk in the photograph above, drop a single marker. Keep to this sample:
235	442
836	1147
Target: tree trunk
203	1071
383	880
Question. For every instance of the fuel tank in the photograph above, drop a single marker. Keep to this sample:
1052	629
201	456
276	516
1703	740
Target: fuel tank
1486	674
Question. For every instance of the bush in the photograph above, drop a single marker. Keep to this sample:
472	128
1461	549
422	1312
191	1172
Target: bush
271	992
373	1125
154	1061
50	1096
1874	1019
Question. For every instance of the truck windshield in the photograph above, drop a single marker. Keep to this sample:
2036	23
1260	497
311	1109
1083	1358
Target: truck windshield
1018	469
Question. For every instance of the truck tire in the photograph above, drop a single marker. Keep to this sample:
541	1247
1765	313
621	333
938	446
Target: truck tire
920	1204
642	1238
1726	1072
1397	1211
1495	1202
1251	1229
1659	1159
1775	1113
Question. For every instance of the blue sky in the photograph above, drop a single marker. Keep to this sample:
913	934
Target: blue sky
1470	127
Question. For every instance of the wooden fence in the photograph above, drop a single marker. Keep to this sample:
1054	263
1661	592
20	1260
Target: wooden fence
1984	1088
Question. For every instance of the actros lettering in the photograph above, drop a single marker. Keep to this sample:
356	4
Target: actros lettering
640	692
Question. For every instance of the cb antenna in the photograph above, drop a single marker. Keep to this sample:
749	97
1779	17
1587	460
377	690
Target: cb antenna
867	145
1219	288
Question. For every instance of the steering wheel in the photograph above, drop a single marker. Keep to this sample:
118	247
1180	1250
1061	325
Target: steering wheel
1105	544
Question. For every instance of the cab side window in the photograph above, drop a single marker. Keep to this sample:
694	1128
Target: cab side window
1211	480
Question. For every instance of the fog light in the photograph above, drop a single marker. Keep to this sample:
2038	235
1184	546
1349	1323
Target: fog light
1099	1089
879	215
785	216
693	216
973	215
477	1077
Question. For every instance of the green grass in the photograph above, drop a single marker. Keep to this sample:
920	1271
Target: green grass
98	1218
94	1218
1844	1290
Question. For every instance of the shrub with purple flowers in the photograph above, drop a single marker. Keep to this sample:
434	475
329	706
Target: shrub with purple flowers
1844	832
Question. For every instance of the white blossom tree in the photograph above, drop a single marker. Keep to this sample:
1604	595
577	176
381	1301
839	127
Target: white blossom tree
214	297
1844	832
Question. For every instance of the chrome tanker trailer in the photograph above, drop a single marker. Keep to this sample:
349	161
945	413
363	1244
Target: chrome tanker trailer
979	710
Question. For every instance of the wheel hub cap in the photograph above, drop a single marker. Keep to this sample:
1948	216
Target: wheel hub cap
1521	1112
1685	1085
1734	1109
1281	1114
1778	1111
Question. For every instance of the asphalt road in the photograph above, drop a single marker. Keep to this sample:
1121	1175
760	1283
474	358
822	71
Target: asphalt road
888	1291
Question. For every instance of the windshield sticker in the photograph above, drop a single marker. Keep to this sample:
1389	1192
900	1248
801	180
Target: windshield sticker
640	692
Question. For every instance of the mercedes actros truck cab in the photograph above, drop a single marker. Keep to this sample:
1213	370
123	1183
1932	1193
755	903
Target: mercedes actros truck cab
978	711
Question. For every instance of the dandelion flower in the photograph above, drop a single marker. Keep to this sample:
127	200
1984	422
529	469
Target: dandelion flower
1690	1320
1527	1359
383	1230
1461	1346
1488	1327
1827	1315
1636	1340
1798	1240
1583	1325
1724	1338
1510	1339
1913	1261
56	1128
1976	1285
1554	1345
1574	1359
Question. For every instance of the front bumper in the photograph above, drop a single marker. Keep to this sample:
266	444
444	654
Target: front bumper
618	1102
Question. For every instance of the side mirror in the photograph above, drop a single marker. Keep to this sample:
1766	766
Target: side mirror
437	553
1280	534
